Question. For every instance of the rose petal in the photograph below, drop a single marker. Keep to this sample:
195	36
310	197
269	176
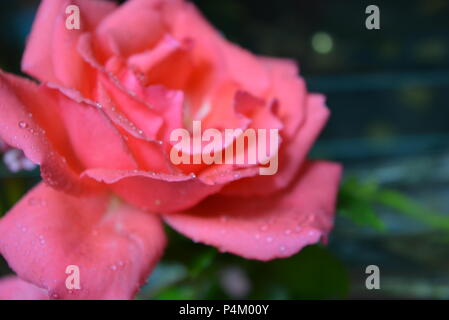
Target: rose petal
289	89
114	245
30	121
96	141
138	114
155	192
14	288
133	27
245	68
291	155
159	64
50	54
265	228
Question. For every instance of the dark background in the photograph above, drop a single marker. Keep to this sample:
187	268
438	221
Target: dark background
388	93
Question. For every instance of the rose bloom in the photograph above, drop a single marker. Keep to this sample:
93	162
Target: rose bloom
98	123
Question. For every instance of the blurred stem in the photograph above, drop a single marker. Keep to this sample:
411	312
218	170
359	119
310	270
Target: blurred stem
412	209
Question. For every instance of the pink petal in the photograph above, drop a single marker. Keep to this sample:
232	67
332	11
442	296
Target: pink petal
265	228
115	246
289	89
137	112
169	63
291	156
50	54
14	288
245	68
93	136
155	192
30	121
132	28
45	123
169	104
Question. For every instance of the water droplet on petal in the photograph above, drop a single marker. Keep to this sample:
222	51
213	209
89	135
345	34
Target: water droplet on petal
23	124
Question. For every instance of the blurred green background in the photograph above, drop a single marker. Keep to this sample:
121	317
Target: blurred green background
388	92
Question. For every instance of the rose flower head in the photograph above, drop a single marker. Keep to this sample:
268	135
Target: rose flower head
144	114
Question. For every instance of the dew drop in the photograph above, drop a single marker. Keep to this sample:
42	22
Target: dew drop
264	228
287	232
269	239
23	124
113	267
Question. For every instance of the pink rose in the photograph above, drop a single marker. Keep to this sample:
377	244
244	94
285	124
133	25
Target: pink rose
99	125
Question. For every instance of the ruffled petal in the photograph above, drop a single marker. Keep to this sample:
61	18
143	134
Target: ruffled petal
96	141
291	156
265	228
50	54
133	27
289	89
155	192
48	234
31	121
